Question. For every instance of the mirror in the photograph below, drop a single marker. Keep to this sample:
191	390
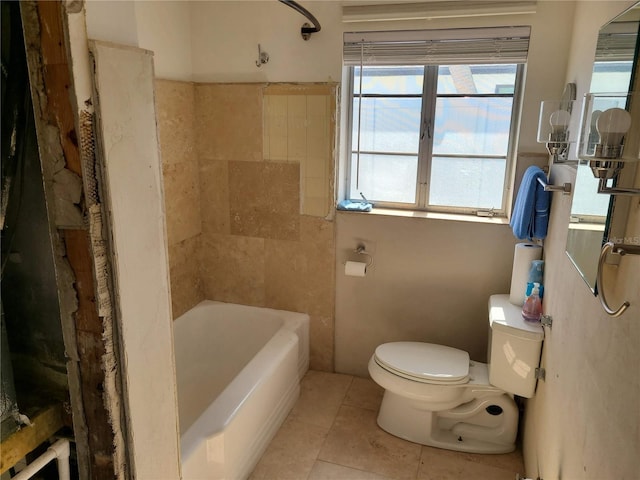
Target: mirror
613	71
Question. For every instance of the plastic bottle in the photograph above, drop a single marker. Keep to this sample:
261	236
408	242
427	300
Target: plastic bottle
536	271
529	290
532	308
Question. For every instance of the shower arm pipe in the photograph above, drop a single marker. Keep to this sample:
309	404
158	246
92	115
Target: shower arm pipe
306	29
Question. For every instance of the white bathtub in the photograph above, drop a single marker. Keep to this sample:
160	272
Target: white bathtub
238	372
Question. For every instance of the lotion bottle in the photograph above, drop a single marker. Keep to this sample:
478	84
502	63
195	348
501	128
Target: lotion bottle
532	308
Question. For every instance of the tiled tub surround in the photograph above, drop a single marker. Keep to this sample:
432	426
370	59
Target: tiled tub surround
248	193
175	111
298	126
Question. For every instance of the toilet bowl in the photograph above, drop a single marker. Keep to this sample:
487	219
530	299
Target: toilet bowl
435	395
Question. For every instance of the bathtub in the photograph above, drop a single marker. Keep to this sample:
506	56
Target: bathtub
238	371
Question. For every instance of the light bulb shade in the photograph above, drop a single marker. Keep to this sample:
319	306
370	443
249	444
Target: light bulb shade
604	125
554	123
612	125
604	128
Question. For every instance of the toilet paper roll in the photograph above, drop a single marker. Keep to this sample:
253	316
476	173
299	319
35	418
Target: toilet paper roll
524	254
355	269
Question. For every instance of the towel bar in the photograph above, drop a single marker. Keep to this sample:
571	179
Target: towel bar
565	188
622	249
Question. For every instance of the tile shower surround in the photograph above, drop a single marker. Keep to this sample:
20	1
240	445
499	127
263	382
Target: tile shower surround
236	179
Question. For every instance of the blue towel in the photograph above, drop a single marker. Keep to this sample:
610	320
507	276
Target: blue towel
355	206
530	217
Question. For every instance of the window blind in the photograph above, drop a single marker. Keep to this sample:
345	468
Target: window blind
437	47
617	42
355	11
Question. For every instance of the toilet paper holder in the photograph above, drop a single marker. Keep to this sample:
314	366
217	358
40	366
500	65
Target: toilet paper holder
361	250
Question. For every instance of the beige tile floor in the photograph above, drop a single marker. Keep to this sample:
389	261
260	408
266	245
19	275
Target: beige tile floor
332	434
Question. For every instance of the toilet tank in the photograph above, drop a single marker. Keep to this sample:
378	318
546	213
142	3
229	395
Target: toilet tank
514	348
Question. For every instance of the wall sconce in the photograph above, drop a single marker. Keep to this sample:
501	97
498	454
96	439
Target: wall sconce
605	123
553	128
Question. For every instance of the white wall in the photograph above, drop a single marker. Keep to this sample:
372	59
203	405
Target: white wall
430	281
226	36
584	422
133	181
112	21
125	80
165	28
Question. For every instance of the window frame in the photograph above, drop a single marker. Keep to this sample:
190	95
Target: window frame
425	149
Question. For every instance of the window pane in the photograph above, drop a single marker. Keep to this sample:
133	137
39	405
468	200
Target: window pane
584	203
385	178
467	182
611	77
472	126
476	79
389	80
388	125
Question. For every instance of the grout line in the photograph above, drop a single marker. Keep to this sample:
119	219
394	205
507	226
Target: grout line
316	460
421	466
353	468
336	414
346	391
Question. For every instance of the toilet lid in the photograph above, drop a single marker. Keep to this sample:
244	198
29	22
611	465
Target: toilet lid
424	362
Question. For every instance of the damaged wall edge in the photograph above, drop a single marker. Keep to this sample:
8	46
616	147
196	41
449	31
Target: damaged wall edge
65	278
82	266
104	291
128	155
100	241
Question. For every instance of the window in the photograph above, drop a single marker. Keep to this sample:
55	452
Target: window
437	136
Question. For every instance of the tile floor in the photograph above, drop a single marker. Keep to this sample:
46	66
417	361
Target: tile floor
332	434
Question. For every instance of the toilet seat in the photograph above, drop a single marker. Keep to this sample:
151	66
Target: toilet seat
424	362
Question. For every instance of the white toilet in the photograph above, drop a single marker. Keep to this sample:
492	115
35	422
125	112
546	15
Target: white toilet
435	396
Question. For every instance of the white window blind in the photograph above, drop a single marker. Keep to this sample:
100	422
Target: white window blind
437	47
617	42
355	11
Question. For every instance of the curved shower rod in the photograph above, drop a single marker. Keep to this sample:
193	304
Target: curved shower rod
306	29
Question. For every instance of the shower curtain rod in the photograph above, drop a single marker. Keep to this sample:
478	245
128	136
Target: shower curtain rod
306	29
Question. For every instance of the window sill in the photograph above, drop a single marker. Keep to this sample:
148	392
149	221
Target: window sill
389	212
595	227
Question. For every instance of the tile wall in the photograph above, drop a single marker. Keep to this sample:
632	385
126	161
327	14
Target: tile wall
248	192
175	110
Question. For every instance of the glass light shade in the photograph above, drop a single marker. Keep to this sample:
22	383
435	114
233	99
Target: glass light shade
604	125
554	127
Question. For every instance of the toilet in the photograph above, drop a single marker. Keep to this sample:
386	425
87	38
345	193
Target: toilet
435	395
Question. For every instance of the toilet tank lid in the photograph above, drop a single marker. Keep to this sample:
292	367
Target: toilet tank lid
425	361
507	317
